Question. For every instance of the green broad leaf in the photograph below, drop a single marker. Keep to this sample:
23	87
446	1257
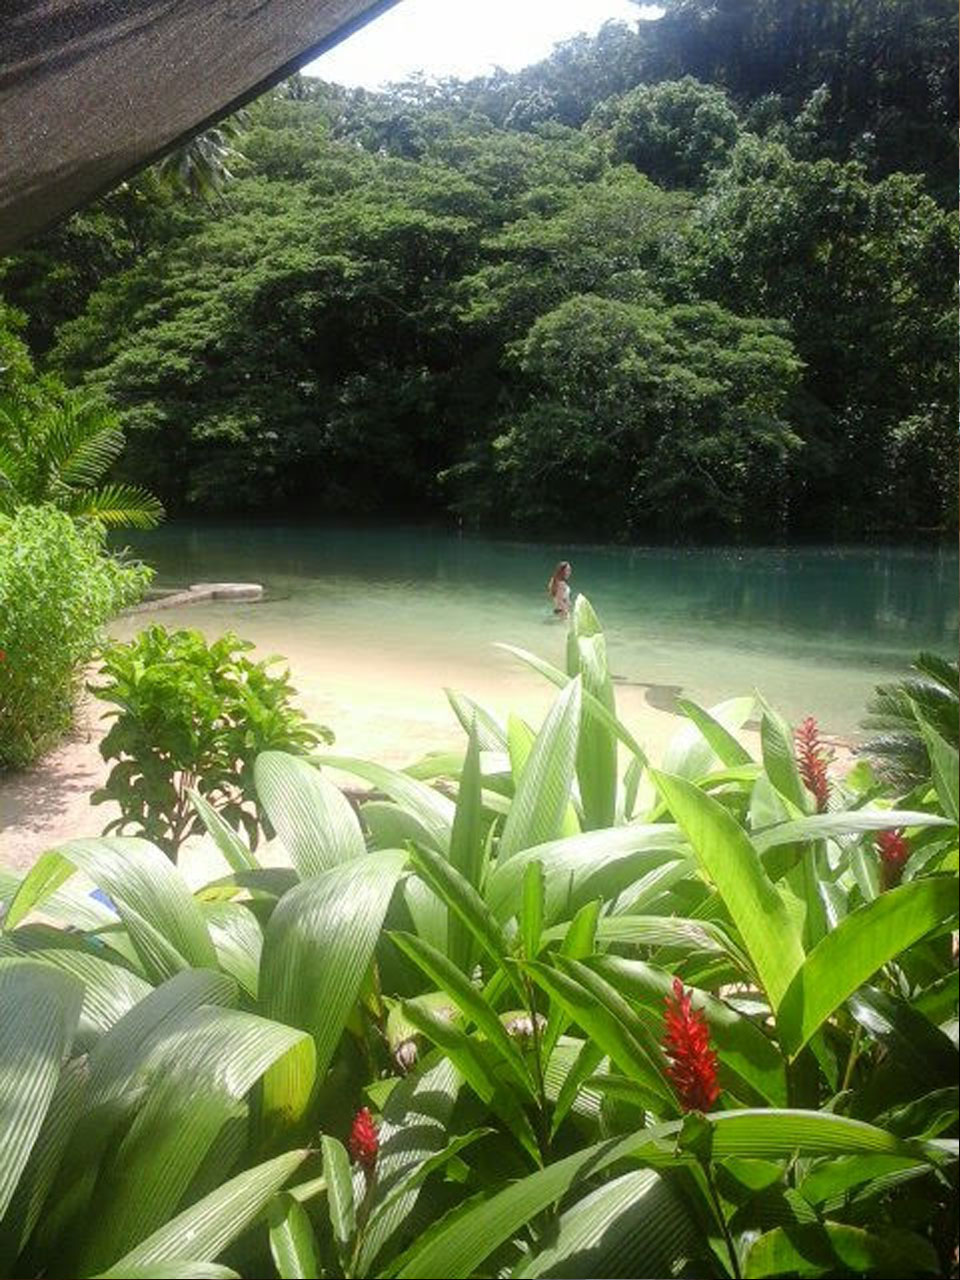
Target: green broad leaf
728	858
581	1070
579	939
468	1000
597	709
945	765
780	1133
826	826
119	1055
716	730
109	990
201	1232
695	747
668	931
467	848
314	820
36	1179
852	952
433	810
162	918
822	1249
316	952
531	911
197	1077
462	901
636	1225
391	826
596	763
744	1051
477	1069
39	1010
632	777
432	1164
912	1041
490	733
570	862
413	1134
427	911
607	1019
779	757
520	740
459	1246
238	940
340	1203
229	842
188	1270
543	790
293	1244
837	1176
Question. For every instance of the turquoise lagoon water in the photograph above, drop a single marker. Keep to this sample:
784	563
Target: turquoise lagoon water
814	628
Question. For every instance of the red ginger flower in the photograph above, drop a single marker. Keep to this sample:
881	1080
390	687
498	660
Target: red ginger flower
812	761
693	1064
894	852
364	1143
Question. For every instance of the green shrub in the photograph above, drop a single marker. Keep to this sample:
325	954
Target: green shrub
58	586
192	715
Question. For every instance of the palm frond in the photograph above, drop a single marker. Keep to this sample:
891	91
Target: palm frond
117	506
84	440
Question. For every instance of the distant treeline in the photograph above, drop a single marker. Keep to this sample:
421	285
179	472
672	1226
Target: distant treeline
695	278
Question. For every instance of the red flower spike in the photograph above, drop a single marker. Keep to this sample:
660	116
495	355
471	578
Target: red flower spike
893	851
364	1143
686	1042
812	761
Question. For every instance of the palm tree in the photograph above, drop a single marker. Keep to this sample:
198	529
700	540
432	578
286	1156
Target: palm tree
897	748
201	167
57	450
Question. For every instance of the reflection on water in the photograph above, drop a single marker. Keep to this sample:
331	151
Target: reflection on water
814	627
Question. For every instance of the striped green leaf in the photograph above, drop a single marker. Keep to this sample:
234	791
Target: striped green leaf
731	862
312	817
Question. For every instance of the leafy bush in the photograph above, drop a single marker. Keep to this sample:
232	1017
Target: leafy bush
486	976
57	588
192	715
897	713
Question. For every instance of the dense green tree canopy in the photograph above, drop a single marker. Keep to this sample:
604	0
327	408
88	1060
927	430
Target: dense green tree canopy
695	276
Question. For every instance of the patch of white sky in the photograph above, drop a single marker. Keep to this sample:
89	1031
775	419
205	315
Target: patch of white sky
464	38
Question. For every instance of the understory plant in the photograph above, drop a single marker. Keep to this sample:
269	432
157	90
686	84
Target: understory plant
534	1008
58	586
192	715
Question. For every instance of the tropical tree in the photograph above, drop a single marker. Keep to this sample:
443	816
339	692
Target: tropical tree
55	448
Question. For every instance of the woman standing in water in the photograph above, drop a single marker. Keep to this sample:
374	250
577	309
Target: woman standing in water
558	588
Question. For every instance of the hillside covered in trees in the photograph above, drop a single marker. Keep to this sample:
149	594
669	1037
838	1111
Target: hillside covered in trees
695	279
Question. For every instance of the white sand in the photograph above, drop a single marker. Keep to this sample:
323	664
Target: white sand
387	708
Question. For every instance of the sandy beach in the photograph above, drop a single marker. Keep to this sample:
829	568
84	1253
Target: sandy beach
390	709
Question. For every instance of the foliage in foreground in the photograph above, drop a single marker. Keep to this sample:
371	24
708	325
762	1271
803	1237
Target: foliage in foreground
480	959
57	588
187	715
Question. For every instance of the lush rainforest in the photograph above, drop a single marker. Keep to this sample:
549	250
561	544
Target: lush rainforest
694	279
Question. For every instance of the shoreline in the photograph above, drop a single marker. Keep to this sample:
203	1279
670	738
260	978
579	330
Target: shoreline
393	712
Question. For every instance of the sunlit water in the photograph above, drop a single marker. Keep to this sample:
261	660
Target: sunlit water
815	629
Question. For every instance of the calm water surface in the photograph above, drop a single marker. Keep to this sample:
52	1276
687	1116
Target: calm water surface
814	628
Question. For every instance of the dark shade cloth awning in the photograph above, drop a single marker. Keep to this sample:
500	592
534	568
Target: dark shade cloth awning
92	90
